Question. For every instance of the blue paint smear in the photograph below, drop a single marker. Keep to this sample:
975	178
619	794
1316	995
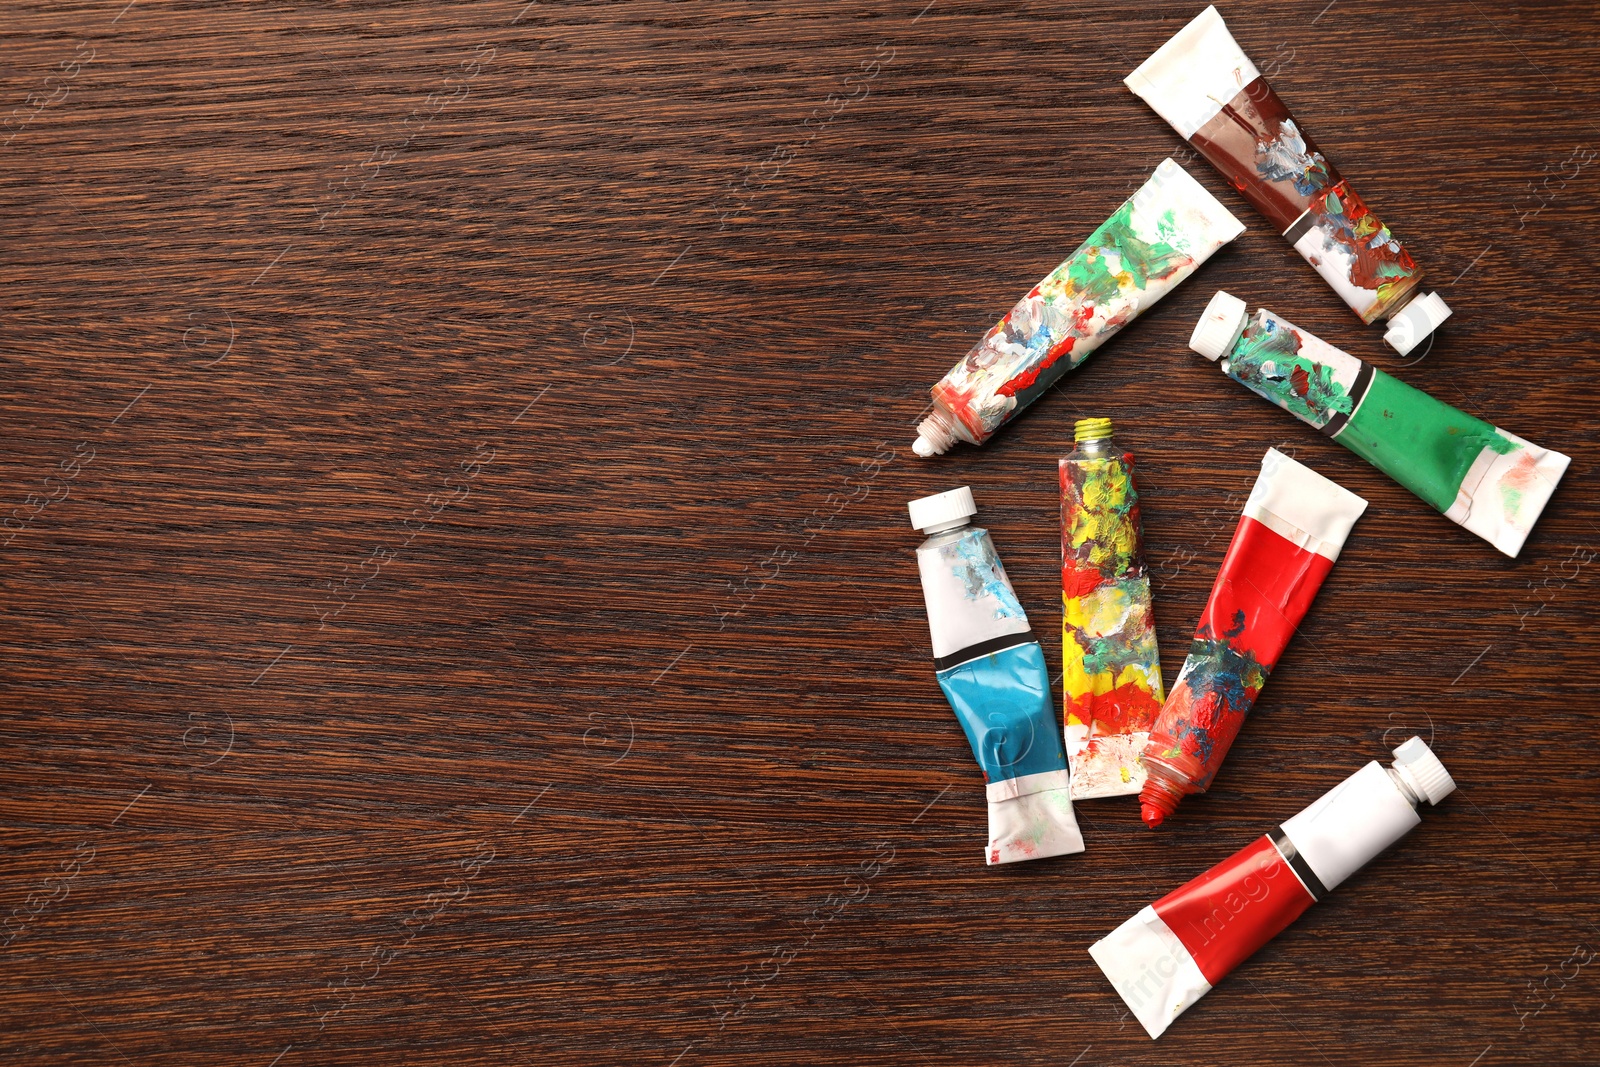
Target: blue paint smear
1003	703
1287	159
982	575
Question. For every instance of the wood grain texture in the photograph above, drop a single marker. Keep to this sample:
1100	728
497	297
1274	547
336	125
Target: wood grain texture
466	613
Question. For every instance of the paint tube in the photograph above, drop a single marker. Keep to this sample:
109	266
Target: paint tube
1207	89
1483	478
992	670
1110	665
1293	526
1172	952
1152	242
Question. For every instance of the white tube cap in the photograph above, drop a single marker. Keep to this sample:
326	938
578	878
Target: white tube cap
1421	769
942	511
1416	321
1219	326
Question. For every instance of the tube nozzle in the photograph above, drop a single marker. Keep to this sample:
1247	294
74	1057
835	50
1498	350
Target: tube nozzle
1159	797
934	434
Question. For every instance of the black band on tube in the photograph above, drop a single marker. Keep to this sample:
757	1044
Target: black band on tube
1358	390
1297	863
983	648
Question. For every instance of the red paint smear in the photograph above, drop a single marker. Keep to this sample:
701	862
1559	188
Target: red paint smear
1130	312
1124	710
1300	381
1367	270
1226	914
1079	329
1028	377
959	403
1079	580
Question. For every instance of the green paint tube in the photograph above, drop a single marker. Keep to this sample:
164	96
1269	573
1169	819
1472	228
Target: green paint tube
1483	478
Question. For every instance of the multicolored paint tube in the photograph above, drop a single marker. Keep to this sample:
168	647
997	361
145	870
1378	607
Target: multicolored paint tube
1293	526
992	670
1110	666
1152	242
1171	953
1483	478
1207	89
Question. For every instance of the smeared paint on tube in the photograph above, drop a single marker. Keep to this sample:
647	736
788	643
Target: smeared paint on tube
992	671
1294	524
1482	478
1152	242
1171	953
1207	89
1110	666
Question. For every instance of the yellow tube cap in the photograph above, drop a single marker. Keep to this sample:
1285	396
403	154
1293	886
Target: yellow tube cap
1091	430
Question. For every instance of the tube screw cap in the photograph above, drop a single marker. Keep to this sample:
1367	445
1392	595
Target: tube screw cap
1422	770
1091	430
1219	326
942	511
1416	321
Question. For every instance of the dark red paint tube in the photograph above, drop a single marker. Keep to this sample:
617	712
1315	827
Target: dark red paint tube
1207	89
1171	953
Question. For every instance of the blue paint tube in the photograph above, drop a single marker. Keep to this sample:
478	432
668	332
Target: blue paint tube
992	670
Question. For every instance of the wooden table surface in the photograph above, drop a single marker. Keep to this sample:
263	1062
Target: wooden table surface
458	601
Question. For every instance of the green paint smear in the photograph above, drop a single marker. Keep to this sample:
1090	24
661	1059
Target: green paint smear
1134	644
1424	444
1089	273
1266	359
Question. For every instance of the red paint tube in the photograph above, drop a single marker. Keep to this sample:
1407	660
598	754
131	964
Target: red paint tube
1294	525
1171	953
